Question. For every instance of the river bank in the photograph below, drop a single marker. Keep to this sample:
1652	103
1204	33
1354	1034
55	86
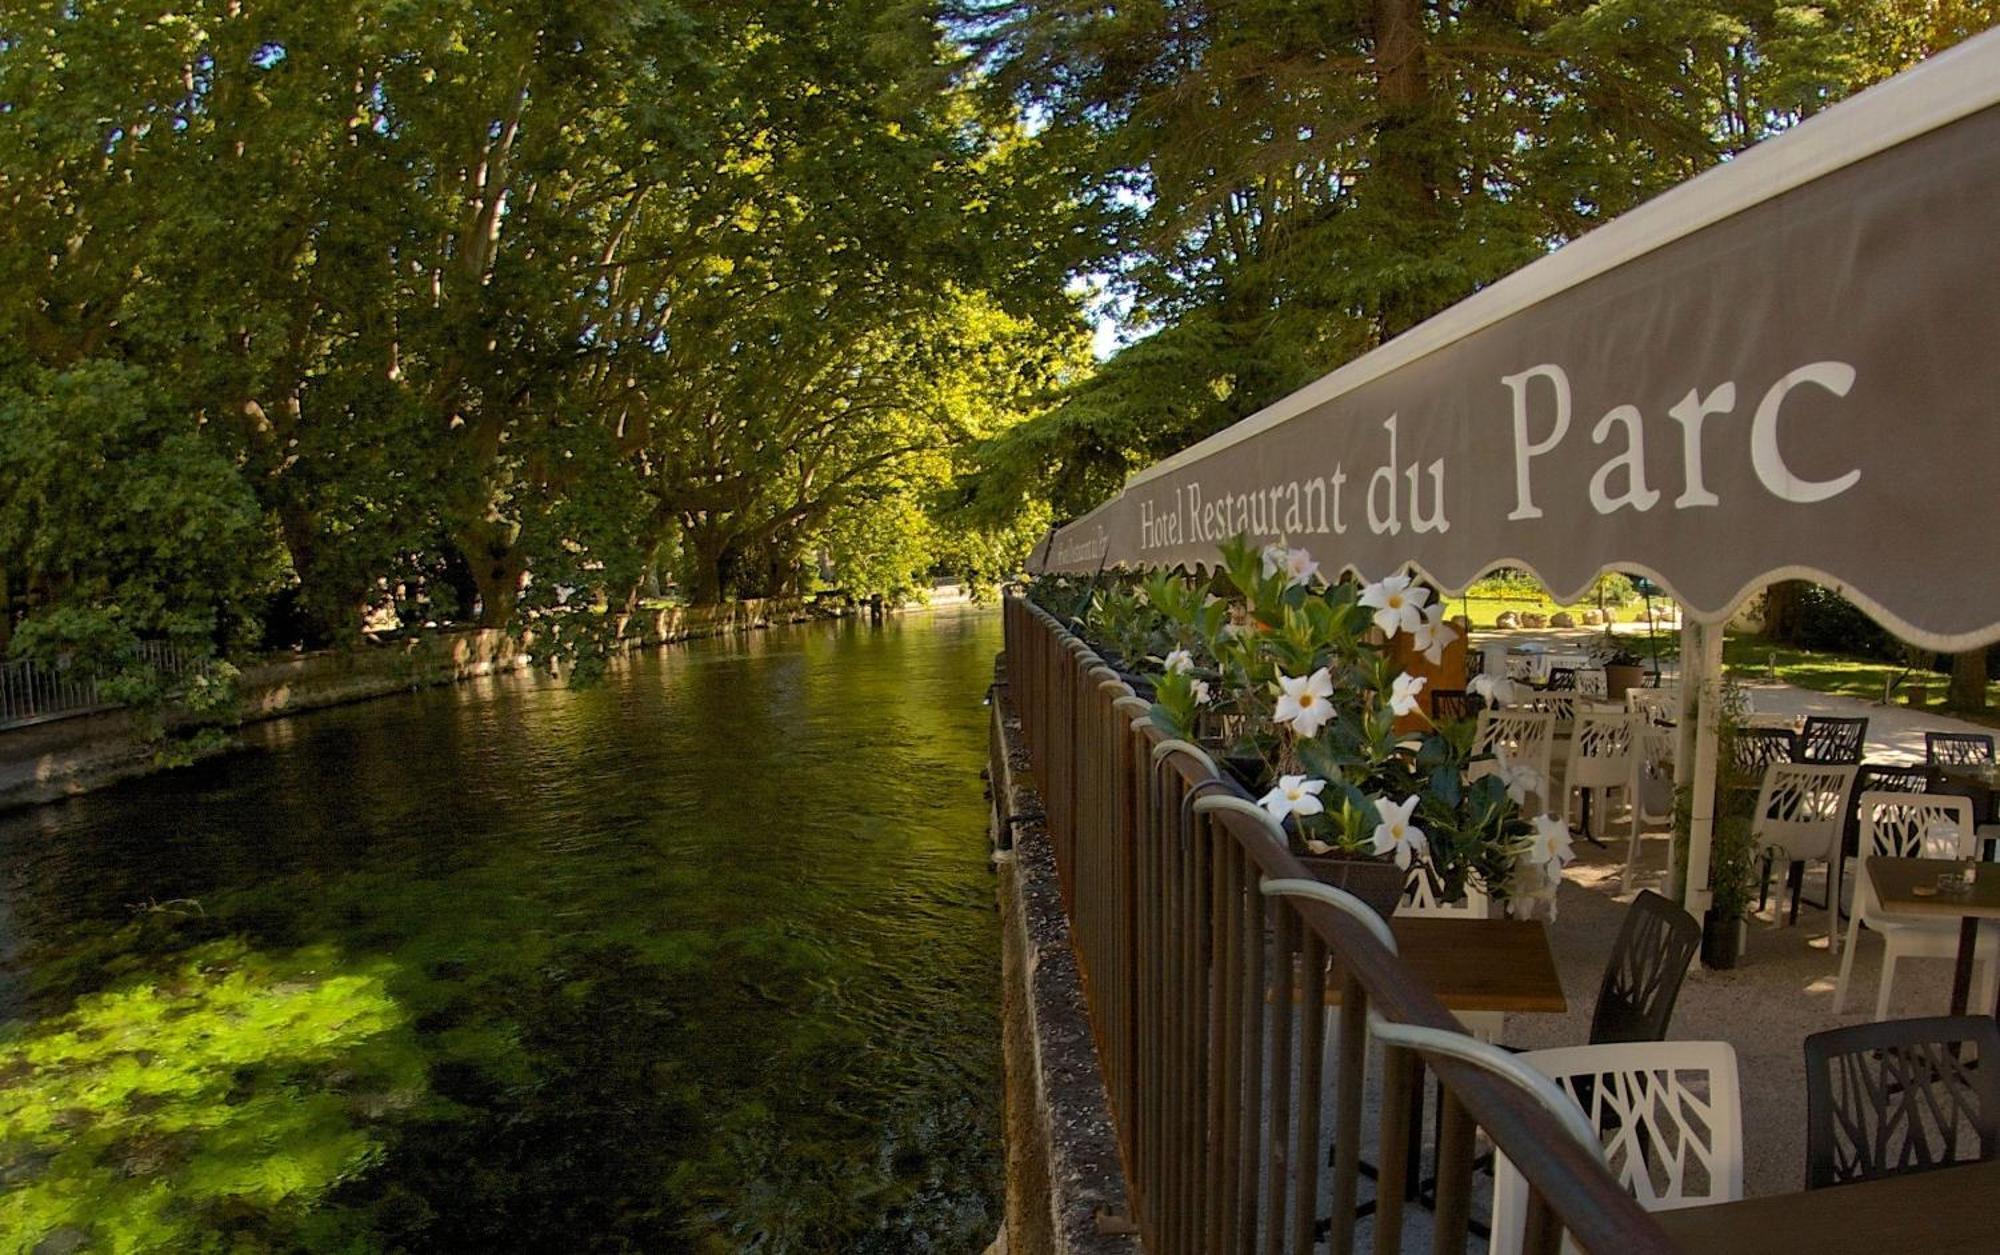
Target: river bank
46	762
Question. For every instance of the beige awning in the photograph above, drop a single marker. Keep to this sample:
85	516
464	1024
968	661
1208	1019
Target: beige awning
1789	366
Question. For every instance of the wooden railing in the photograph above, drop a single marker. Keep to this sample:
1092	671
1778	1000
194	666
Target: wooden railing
1206	962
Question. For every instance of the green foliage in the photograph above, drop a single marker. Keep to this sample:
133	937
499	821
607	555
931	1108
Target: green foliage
1279	187
1218	652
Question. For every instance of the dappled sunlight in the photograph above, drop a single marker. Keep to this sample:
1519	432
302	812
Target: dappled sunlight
151	1113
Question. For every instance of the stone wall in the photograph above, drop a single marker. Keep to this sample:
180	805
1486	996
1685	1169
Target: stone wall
1065	1182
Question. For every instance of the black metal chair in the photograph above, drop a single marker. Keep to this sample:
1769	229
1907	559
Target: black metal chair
1642	980
1455	704
1958	749
1901	1096
1561	680
1754	749
1832	740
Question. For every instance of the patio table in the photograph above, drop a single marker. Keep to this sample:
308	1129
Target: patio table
1896	881
1941	1212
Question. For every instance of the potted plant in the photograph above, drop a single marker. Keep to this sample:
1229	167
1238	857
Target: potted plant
1282	678
1624	670
1732	880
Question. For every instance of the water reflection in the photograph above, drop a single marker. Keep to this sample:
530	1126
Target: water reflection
703	959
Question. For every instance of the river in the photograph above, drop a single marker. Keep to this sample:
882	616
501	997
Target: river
701	959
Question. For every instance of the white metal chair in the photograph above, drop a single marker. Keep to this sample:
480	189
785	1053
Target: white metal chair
1656	771
1910	825
1519	737
1604	754
1802	810
1660	705
1669	1116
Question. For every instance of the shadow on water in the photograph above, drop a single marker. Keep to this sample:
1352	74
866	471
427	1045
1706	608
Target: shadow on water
701	959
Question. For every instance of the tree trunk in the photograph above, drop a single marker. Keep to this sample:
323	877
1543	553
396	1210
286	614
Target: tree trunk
1968	680
331	601
705	551
1408	176
496	570
1781	610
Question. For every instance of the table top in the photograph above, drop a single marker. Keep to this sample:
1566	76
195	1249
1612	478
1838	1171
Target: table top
1948	1210
1479	964
1896	878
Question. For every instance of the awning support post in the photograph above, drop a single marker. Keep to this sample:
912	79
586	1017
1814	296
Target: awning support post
1701	682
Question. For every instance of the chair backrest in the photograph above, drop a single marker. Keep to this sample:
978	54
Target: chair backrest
1753	749
1661	705
1449	705
1520	667
1827	739
1901	1096
1898	825
1802	808
1642	979
1604	748
1591	682
1880	778
1522	737
1670	1115
1420	897
1958	749
1562	680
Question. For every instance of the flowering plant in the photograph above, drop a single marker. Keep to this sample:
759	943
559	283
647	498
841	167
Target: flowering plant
1289	679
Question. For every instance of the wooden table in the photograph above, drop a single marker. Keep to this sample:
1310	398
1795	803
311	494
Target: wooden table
1943	1212
1896	880
1479	964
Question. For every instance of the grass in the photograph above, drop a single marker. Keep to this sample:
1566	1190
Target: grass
1754	658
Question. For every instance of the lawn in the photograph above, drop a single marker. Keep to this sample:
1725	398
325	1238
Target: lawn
1755	658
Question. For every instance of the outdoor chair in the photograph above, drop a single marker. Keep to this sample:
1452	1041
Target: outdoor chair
1590	682
1909	825
1642	978
1521	738
1451	705
1670	1115
1827	739
1561	680
1879	778
1901	1096
1801	811
1754	749
1659	705
1656	771
1958	749
1604	754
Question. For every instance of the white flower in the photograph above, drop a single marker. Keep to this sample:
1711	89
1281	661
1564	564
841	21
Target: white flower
1397	606
1498	690
1179	662
1521	779
1140	598
1396	834
1275	556
1403	700
1200	691
1293	795
1299	568
1305	702
1434	635
1550	847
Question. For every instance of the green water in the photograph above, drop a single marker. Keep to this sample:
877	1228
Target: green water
703	959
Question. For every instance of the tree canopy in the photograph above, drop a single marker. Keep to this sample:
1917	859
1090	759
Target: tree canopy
360	312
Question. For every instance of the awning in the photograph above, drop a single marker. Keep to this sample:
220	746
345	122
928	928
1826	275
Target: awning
1787	367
